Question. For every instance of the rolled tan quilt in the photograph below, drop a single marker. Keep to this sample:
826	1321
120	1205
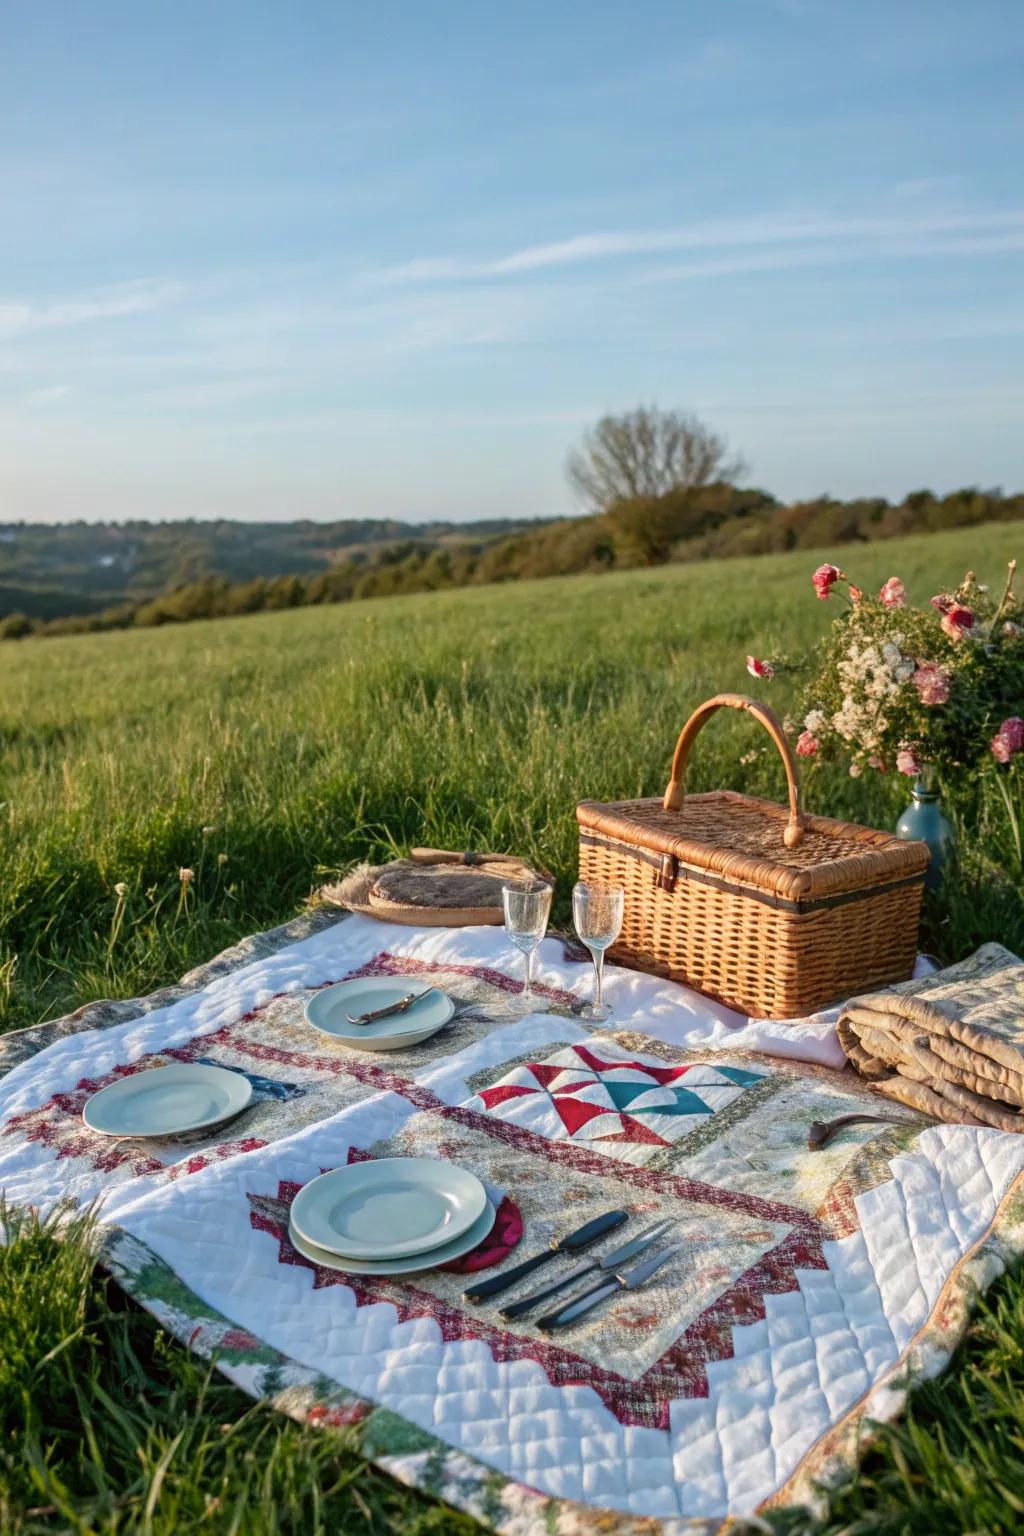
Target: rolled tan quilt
951	1044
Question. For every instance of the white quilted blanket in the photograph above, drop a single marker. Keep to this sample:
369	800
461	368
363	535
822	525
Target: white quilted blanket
810	1289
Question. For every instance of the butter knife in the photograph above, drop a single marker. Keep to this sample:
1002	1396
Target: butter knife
630	1250
581	1238
595	1294
390	1008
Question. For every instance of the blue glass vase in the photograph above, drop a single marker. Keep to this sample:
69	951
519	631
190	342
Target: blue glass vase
925	820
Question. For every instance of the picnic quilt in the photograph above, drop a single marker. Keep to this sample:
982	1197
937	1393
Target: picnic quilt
811	1288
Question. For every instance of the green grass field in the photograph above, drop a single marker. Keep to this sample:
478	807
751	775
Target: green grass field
266	753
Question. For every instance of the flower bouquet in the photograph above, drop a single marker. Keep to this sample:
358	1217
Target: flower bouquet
932	690
933	693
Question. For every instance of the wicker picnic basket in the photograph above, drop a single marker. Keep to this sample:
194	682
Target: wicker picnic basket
773	912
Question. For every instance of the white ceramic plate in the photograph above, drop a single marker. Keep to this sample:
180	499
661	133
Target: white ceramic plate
389	1207
407	1266
167	1101
328	1009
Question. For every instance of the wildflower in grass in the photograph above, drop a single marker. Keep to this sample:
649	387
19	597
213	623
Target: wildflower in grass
894	593
222	859
957	621
1012	630
932	683
806	744
906	761
825	578
208	831
876	762
814	721
186	876
856	769
121	892
758	668
1008	740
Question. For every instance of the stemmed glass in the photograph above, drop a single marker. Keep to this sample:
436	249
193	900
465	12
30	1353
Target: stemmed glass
527	904
597	913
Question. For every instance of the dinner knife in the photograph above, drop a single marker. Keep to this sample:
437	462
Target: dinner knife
595	1294
581	1238
630	1250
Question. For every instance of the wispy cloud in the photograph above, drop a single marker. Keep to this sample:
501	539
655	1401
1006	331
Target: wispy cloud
836	253
17	317
48	396
721	235
916	187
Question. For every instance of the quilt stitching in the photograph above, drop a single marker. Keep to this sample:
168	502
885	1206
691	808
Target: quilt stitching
681	1372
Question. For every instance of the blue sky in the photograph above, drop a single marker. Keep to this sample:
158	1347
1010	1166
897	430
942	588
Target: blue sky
324	259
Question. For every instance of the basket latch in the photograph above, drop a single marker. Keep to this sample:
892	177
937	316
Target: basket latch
668	871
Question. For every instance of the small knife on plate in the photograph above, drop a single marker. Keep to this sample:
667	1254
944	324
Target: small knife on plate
581	1238
595	1294
403	1004
630	1250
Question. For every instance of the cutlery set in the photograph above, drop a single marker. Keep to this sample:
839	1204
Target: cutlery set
610	1275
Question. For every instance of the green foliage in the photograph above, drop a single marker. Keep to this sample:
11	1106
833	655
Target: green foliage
267	755
698	523
15	626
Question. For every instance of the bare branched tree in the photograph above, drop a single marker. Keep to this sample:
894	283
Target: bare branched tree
647	452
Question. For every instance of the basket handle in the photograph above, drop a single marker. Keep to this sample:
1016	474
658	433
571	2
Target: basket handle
675	794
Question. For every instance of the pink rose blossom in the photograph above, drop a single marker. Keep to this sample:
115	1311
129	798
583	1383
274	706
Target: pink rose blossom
806	744
1009	739
874	761
825	578
1013	731
906	762
943	602
956	621
894	593
760	668
932	682
855	593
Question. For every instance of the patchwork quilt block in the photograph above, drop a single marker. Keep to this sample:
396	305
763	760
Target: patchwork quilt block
809	1289
628	1105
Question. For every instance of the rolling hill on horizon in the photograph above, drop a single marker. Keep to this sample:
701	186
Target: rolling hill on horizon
51	570
60	578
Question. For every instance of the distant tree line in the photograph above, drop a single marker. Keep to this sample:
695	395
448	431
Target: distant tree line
690	522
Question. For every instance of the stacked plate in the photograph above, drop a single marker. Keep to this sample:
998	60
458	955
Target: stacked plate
333	1009
391	1216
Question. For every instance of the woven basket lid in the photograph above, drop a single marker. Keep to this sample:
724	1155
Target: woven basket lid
740	839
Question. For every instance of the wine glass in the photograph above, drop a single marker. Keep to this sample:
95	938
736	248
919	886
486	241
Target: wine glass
527	904
597	913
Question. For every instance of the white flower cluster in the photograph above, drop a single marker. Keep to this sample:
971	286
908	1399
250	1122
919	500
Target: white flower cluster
869	680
